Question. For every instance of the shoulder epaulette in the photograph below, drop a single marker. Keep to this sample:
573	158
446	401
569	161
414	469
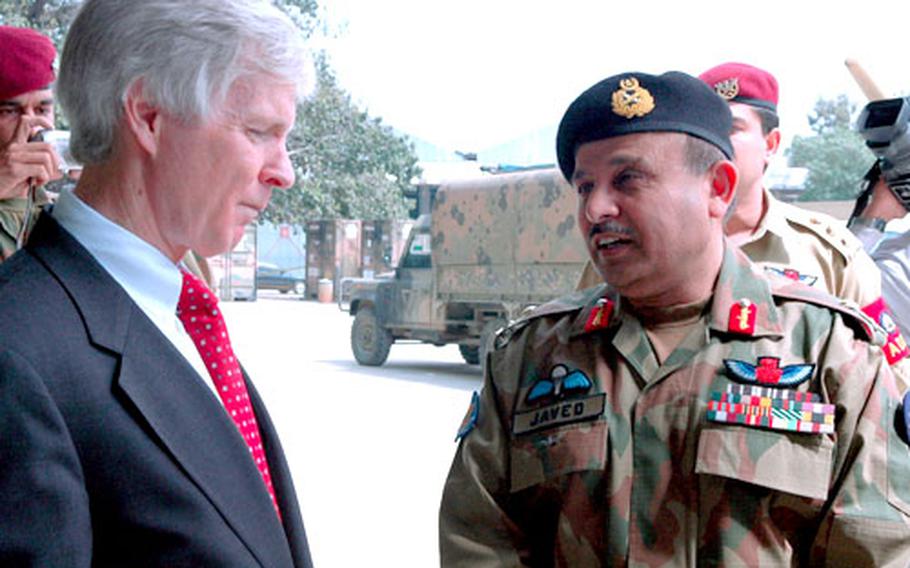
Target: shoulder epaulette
872	331
826	228
562	305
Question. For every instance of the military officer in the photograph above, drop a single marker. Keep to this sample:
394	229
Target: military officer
783	239
26	106
692	410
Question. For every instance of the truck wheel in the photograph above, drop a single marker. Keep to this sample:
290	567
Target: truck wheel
470	354
370	342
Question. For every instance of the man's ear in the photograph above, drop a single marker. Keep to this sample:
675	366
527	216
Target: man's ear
723	178
772	144
142	118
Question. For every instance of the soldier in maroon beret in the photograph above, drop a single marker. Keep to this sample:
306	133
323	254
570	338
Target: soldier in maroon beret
785	240
26	106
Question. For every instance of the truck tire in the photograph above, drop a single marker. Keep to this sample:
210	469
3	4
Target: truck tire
470	354
370	342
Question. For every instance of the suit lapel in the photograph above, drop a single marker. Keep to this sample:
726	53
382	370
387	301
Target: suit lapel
181	411
202	438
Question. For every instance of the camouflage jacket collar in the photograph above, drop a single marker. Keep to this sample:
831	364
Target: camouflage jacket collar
742	304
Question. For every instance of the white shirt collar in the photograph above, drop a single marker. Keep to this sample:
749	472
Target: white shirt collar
150	278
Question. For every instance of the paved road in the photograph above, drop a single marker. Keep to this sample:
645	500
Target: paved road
369	448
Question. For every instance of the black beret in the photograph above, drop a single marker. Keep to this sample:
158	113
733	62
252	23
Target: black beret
638	102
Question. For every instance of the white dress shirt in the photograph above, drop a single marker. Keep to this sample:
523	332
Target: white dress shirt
150	278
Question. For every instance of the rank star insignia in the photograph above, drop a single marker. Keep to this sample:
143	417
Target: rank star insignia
768	372
631	99
728	88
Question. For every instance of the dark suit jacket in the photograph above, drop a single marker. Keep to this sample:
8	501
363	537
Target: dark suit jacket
112	451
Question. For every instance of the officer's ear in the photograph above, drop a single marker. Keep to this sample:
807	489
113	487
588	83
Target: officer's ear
723	177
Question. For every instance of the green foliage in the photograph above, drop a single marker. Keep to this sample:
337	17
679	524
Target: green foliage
50	17
835	155
348	164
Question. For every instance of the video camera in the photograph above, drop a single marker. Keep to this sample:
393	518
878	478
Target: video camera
883	124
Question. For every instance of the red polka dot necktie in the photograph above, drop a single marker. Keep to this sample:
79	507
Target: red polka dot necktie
199	313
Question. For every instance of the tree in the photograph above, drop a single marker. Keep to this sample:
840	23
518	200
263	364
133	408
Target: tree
50	17
347	163
836	156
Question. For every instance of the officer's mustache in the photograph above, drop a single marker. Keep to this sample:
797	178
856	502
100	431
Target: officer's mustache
612	228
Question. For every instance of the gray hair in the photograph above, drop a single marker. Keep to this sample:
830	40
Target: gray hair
186	55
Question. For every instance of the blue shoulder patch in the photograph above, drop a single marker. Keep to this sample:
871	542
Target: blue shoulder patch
470	418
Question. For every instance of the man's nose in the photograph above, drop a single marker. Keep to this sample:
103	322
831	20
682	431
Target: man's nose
600	204
278	171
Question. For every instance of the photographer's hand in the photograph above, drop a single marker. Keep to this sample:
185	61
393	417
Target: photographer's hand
21	160
884	204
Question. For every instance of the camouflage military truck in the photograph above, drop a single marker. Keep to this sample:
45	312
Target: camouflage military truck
491	248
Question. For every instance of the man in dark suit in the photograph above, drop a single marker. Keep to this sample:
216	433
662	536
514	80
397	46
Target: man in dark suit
129	435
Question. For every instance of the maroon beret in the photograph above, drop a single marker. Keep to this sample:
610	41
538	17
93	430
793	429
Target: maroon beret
743	84
26	61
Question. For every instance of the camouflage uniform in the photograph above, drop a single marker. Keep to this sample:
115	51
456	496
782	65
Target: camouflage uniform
12	213
820	251
627	469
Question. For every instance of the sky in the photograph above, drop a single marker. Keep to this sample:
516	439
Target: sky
470	74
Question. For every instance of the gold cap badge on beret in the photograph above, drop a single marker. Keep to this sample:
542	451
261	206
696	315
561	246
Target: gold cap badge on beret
727	89
631	99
